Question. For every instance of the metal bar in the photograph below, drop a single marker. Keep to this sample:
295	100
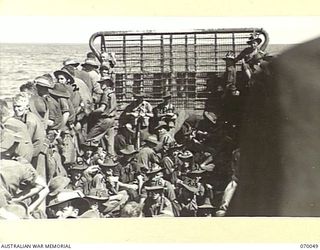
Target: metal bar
103	44
195	51
162	54
125	63
179	84
197	31
215	51
141	53
180	57
176	64
180	45
121	33
186	52
160	99
233	43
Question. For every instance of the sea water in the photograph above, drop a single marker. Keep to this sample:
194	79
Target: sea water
20	63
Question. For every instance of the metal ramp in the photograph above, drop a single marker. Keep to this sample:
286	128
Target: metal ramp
188	64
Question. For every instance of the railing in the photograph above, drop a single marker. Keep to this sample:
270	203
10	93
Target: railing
188	64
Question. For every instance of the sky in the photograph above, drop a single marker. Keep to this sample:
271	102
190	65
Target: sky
73	29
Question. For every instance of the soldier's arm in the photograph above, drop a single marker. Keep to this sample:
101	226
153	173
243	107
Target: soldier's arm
38	133
126	185
39	188
65	111
149	110
100	109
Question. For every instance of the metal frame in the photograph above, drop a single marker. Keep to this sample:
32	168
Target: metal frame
184	63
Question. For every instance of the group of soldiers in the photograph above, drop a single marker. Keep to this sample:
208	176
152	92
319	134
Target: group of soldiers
67	153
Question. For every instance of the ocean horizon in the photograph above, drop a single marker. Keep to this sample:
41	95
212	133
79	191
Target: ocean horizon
21	62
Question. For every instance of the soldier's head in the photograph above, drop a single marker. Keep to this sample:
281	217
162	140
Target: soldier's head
29	88
21	104
106	83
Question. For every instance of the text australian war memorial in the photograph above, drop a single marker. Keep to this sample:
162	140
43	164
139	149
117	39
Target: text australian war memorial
146	125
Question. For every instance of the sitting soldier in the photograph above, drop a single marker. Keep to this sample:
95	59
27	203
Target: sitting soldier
20	182
70	205
156	204
138	113
165	111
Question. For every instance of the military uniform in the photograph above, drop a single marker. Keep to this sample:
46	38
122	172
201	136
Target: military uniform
102	124
23	146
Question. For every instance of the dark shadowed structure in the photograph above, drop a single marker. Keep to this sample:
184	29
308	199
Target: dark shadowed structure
280	139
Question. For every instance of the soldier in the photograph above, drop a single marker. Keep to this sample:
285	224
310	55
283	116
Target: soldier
250	56
131	209
102	119
62	96
37	104
86	101
165	111
130	177
91	66
35	129
124	137
107	72
109	58
67	146
68	205
70	66
18	131
64	78
147	155
22	183
164	136
155	173
170	163
187	197
230	75
156	204
43	84
138	113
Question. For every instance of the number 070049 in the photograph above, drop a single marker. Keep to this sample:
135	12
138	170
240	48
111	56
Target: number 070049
308	245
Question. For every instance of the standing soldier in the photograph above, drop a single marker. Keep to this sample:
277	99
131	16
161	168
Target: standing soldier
37	104
61	95
90	66
107	72
108	62
43	84
71	66
65	79
109	58
231	72
85	93
102	119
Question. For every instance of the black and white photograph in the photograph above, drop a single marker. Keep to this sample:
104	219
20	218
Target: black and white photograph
123	117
